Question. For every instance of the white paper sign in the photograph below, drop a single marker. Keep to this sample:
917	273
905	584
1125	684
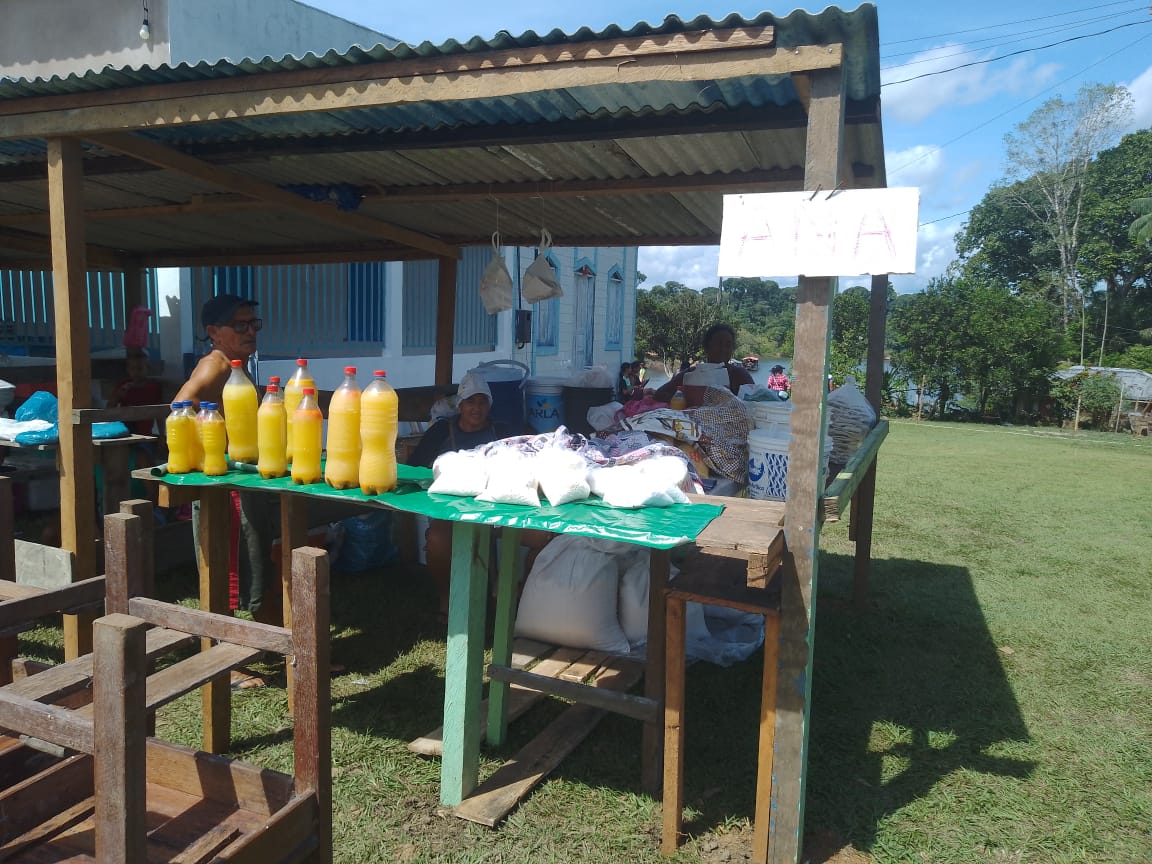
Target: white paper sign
845	233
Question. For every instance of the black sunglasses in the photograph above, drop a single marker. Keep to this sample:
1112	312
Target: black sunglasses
242	327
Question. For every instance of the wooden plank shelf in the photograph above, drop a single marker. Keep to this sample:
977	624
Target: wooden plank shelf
839	492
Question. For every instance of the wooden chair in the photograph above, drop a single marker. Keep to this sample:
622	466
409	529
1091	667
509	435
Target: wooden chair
117	795
733	565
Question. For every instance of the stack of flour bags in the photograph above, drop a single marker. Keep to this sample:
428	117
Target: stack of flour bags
510	476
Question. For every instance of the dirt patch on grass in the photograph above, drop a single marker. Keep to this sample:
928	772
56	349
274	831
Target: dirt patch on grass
733	847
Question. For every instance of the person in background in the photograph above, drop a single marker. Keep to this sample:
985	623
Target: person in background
639	373
231	326
472	427
719	344
137	389
777	380
624	383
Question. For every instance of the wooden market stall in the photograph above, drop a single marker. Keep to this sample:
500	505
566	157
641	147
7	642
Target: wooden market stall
620	138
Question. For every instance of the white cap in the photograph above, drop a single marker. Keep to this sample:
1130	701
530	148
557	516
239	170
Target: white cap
470	385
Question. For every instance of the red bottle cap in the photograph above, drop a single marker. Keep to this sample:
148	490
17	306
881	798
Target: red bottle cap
273	388
380	373
349	370
236	364
309	391
301	362
274	379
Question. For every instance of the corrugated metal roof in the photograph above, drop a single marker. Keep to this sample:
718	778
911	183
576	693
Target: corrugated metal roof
1137	383
631	163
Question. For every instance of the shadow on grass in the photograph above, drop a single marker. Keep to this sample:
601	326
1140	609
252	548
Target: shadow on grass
903	694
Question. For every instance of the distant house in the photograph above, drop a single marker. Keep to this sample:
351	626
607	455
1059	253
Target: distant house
1135	384
371	314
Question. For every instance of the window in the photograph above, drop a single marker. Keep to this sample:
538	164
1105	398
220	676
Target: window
547	319
614	325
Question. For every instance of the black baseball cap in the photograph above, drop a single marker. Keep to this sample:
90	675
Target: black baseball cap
221	308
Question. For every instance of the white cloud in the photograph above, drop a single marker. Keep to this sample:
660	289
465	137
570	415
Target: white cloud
915	100
1141	89
920	165
694	266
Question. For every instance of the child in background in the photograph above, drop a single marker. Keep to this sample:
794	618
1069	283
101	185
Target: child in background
137	389
777	380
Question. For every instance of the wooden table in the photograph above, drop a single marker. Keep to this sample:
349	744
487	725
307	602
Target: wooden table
114	454
464	673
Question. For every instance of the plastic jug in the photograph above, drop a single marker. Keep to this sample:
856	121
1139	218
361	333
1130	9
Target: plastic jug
342	466
678	402
240	407
214	436
195	448
308	439
178	430
272	434
293	390
379	408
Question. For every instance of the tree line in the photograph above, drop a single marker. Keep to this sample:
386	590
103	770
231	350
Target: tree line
1052	268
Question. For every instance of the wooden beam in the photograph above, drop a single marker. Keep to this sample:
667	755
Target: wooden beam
848	481
33	244
457	64
234	181
805	476
264	97
445	319
73	372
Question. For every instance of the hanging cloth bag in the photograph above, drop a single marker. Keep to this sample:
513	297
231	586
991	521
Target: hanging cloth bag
540	282
496	283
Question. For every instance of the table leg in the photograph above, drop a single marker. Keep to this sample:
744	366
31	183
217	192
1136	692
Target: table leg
502	635
293	535
9	646
652	741
212	558
673	812
762	822
463	672
117	477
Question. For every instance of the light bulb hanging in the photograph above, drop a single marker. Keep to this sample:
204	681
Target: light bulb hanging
145	30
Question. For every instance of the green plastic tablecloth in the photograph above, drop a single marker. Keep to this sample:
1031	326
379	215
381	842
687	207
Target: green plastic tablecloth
655	527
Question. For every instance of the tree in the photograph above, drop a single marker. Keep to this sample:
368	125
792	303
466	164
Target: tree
850	310
1053	148
670	320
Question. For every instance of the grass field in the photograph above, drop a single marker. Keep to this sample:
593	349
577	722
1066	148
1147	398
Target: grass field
992	704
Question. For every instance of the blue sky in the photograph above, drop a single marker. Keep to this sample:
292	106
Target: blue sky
943	132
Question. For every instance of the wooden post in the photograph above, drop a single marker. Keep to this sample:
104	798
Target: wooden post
135	288
674	698
312	686
805	469
124	562
445	319
73	372
293	535
765	757
212	558
864	501
142	508
9	645
119	682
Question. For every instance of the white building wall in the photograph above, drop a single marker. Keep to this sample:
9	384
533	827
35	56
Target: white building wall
43	38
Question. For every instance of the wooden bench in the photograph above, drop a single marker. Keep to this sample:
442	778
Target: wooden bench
116	795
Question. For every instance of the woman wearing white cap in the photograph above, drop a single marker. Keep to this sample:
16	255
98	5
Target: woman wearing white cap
470	428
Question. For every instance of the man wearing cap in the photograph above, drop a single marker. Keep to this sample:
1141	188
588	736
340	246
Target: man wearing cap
231	325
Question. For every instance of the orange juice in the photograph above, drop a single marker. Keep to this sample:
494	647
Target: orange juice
342	465
308	434
300	379
178	430
195	448
240	406
272	434
214	437
378	419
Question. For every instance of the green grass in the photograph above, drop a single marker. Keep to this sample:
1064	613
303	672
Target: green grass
991	704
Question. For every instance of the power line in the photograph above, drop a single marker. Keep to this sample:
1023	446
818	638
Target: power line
1010	23
1001	41
1016	53
1032	98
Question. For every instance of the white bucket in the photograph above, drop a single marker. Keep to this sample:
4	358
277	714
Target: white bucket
544	403
768	465
773	416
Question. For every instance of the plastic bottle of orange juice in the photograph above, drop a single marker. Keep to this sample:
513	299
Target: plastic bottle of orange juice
378	416
178	430
240	406
195	448
272	434
342	465
308	439
300	379
214	436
